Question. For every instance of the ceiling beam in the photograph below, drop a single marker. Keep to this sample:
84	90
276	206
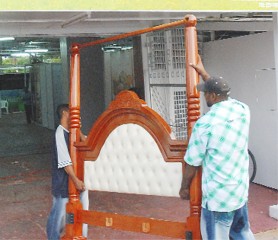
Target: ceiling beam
110	28
235	26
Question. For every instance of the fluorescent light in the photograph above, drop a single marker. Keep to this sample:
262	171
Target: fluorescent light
16	67
38	50
6	38
126	48
20	54
114	47
108	50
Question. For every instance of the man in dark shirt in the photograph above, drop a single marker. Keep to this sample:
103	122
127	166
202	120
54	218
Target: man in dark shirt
61	171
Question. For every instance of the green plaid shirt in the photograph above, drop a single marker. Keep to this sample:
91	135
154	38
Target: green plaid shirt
219	143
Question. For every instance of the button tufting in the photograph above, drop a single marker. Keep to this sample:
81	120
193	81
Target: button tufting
131	162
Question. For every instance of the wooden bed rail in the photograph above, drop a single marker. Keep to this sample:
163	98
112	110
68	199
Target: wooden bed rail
74	207
135	224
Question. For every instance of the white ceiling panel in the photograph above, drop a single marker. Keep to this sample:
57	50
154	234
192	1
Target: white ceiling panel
54	24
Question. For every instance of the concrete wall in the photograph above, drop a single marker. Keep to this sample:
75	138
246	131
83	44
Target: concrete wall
64	50
248	63
47	90
92	81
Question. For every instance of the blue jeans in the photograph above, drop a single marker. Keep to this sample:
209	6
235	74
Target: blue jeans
226	225
57	218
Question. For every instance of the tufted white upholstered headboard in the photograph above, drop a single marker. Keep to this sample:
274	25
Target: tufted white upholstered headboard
130	150
130	161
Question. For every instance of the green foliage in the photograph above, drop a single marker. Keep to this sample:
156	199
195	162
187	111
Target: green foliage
15	61
16	64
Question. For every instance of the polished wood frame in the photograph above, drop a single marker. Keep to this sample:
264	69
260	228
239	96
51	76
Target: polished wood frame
128	108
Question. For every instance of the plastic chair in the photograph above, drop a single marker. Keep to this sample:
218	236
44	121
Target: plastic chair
5	105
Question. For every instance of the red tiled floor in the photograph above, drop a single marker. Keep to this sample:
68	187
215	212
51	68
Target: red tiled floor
260	198
26	196
26	202
169	208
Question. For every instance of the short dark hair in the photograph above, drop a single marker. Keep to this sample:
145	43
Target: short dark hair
60	109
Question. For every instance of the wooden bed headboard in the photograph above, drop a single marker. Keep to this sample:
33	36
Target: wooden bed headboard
132	150
130	118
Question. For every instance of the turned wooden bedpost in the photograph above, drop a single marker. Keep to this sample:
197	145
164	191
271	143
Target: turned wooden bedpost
73	226
192	77
193	110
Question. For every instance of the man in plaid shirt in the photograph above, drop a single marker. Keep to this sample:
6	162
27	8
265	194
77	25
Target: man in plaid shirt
219	143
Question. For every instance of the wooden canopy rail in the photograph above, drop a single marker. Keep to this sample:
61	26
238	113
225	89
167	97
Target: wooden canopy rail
75	214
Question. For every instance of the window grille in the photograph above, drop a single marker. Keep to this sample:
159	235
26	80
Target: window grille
178	50
158	53
179	127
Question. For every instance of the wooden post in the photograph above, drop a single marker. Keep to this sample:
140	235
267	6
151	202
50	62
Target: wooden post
193	110
73	226
192	77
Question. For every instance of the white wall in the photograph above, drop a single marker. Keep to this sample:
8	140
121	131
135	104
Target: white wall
248	64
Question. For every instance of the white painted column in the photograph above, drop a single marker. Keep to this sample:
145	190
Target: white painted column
273	210
275	32
146	69
64	50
